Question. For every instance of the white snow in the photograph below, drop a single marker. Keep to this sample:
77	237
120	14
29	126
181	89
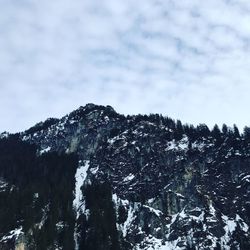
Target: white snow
78	203
129	220
36	195
152	243
129	177
151	200
212	210
112	140
59	225
26	137
80	176
198	218
12	234
246	178
183	144
45	150
3	184
242	224
44	217
124	228
4	135
178	145
180	195
171	145
155	211
106	118
229	229
72	121
94	170
199	145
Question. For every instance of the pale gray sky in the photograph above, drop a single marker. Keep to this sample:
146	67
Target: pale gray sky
188	59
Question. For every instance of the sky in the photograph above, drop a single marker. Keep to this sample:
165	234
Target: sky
186	59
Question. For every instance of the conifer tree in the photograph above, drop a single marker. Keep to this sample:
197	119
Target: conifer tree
236	131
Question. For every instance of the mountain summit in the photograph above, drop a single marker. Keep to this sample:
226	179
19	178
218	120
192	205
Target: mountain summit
99	180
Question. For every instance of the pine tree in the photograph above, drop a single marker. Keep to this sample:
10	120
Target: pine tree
246	133
236	131
225	129
203	130
216	133
179	131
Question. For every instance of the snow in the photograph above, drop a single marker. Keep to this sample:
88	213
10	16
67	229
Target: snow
152	243
183	144
242	224
45	150
200	146
182	214
171	145
212	210
118	137
106	118
129	177
59	225
4	135
112	140
246	178
80	176
199	218
229	228
12	234
238	153
132	208
44	217
180	195
155	211
78	203
178	145
3	185
185	215
94	170
26	137
151	200
231	225
127	223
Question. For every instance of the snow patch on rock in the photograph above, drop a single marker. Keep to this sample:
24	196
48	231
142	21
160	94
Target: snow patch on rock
14	234
45	150
80	177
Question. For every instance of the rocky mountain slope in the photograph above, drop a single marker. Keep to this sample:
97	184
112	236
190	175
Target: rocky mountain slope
99	180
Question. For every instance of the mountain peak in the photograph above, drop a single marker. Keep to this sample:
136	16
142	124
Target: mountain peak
92	106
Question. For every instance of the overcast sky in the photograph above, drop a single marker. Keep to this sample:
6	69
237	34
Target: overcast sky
187	59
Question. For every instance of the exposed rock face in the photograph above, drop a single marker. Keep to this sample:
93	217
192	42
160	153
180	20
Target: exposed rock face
142	182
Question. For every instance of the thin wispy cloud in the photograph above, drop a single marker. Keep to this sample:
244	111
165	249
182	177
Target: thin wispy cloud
187	59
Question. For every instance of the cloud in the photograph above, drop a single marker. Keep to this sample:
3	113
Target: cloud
187	59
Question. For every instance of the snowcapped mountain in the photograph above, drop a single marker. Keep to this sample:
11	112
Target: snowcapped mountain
99	180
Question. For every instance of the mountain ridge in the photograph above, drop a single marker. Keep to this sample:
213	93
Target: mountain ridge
151	181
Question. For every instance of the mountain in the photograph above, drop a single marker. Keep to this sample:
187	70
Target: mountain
99	180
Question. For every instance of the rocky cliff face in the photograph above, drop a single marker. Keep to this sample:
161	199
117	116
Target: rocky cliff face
96	179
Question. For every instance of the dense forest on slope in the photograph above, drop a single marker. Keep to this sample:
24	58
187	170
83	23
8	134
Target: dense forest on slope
38	194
